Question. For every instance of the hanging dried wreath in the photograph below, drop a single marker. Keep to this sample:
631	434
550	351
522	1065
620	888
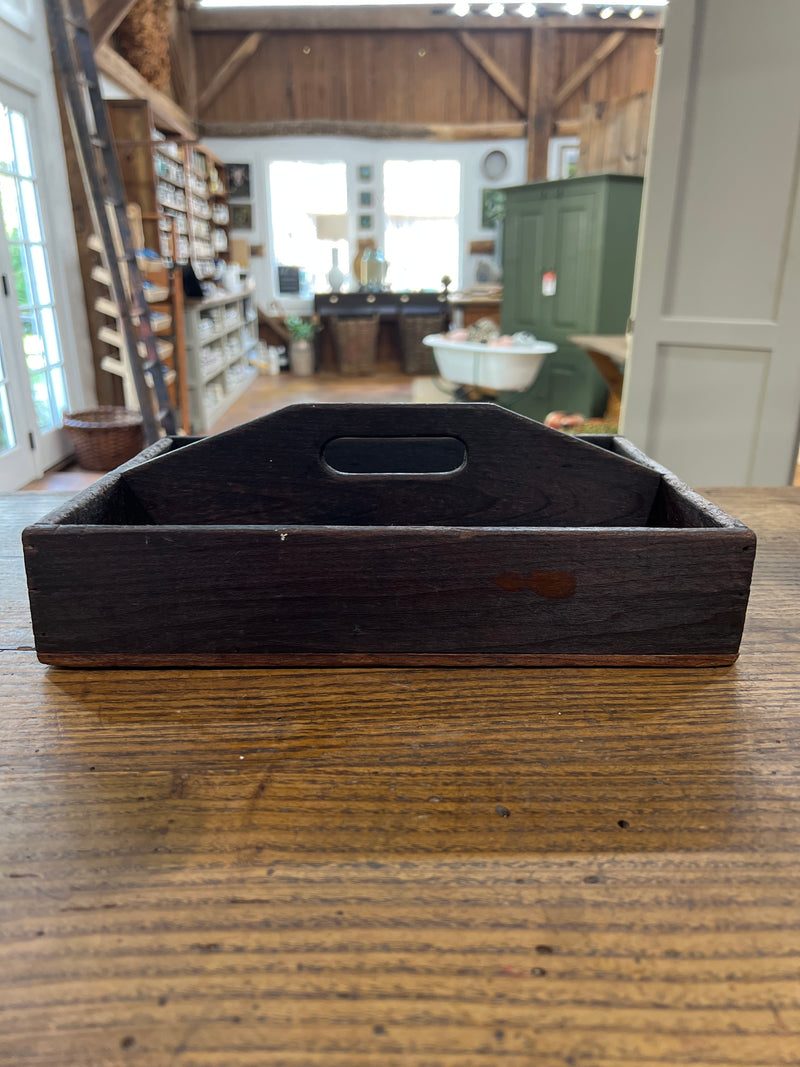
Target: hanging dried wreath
143	39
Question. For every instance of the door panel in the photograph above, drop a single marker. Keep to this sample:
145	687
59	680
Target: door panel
712	384
575	222
525	239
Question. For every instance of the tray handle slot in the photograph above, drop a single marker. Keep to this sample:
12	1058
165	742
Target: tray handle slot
398	457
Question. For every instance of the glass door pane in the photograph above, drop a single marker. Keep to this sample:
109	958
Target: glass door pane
8	438
21	211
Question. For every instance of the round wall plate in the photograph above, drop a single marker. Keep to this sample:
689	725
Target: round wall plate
494	164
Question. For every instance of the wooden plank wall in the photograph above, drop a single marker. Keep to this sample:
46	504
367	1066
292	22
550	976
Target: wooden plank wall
614	135
406	76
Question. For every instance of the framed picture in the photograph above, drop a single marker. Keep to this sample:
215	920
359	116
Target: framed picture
365	174
241	216
238	181
365	198
289	280
493	207
365	222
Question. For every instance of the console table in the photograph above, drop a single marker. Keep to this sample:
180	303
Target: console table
389	306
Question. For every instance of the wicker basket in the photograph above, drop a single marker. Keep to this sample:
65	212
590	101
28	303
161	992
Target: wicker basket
417	357
104	437
356	342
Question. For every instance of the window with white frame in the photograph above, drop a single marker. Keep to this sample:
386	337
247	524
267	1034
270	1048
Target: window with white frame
308	208
421	205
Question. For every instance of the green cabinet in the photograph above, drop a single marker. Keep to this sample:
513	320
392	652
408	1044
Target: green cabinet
569	250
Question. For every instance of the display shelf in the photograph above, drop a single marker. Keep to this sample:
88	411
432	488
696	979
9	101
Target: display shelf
248	288
171	180
218	410
219	368
217	358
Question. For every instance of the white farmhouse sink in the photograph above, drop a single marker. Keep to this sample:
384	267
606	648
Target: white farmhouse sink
498	367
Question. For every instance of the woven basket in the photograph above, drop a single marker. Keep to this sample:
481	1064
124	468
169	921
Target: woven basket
356	342
104	437
417	357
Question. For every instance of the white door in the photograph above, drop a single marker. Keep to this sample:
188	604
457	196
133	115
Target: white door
35	391
712	389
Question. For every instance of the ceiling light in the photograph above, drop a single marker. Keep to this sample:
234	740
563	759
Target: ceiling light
636	12
607	12
461	8
496	10
573	8
526	10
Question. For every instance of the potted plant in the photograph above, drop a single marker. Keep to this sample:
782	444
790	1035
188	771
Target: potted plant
301	351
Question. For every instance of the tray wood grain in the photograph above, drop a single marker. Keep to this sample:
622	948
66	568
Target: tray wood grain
518	473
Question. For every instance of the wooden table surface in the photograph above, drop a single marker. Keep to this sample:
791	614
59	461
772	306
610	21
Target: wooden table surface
609	353
615	346
405	868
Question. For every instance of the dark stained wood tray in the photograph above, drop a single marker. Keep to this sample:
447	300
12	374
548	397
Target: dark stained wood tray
336	535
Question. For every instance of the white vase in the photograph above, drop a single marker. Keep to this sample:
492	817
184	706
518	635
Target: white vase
301	358
335	274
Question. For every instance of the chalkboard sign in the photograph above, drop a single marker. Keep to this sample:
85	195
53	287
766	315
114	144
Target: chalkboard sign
289	279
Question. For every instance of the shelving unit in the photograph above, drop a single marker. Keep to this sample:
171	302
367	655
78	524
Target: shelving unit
209	218
179	193
221	332
173	183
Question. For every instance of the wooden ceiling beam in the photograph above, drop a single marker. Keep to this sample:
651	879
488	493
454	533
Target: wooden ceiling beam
183	62
541	91
494	71
587	68
229	69
106	18
567	127
429	131
169	114
247	19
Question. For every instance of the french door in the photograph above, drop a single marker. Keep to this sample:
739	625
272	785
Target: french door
33	379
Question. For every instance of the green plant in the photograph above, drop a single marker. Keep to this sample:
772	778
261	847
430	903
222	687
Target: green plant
300	329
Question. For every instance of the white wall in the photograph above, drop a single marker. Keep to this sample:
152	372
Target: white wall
355	152
712	389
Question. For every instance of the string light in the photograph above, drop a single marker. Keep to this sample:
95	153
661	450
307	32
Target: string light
521	8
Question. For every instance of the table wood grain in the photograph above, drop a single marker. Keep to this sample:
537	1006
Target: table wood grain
609	353
614	346
405	868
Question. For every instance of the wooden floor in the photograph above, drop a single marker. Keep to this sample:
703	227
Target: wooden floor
268	393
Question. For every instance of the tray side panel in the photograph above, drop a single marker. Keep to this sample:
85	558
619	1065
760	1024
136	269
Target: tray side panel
380	592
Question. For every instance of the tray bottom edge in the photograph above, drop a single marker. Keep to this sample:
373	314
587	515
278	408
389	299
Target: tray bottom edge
375	659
